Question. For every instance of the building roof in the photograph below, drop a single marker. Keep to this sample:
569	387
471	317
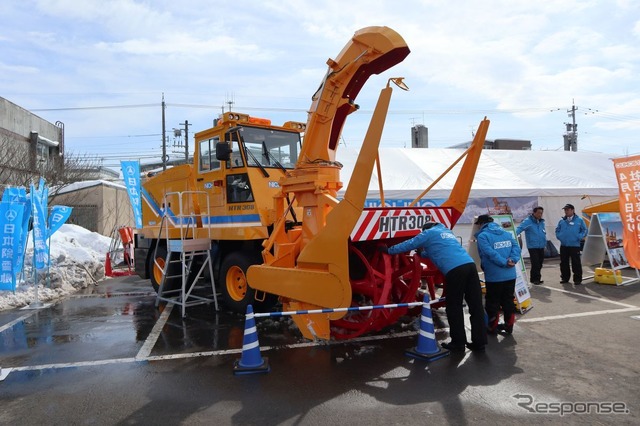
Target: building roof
76	186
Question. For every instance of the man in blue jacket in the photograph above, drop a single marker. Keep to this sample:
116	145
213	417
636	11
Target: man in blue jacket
570	232
439	244
499	254
536	235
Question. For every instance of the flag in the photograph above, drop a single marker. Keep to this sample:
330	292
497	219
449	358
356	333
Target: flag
131	175
25	200
10	229
40	241
12	194
628	174
57	217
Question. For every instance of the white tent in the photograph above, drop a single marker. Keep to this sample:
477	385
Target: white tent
406	172
522	178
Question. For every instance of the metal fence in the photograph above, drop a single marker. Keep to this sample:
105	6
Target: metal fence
85	216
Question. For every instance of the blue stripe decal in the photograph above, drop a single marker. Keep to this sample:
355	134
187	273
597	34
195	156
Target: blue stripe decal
155	207
213	220
159	212
242	218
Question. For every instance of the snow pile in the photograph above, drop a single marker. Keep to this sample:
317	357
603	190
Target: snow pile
77	261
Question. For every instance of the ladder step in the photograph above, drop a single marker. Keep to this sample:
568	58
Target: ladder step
185	250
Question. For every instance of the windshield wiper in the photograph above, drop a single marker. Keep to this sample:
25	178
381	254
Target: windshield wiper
269	155
255	160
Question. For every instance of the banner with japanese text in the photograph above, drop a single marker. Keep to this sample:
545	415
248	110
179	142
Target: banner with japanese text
628	174
57	217
12	194
131	176
19	197
10	230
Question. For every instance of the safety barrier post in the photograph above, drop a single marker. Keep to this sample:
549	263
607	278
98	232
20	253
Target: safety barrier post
251	362
427	348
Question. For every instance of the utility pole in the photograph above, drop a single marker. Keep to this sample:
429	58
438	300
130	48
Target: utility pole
186	140
571	137
164	138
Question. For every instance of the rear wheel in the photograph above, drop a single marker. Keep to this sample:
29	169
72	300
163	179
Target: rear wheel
236	292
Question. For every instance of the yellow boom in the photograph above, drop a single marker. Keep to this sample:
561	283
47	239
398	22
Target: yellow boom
308	265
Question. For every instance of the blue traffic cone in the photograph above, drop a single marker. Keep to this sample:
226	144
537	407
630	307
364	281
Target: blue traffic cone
250	361
427	348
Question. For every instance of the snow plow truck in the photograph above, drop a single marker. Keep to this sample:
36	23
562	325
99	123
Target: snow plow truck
269	202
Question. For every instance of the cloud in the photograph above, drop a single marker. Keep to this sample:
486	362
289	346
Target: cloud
511	61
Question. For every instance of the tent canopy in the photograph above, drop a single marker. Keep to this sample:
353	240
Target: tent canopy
407	172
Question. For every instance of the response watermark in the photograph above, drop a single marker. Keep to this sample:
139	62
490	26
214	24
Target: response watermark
562	408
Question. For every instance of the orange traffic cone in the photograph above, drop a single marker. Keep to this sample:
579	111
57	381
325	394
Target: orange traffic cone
108	272
427	348
251	362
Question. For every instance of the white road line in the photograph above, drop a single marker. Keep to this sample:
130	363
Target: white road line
138	359
111	295
4	372
74	364
144	354
289	346
580	314
17	320
588	296
152	338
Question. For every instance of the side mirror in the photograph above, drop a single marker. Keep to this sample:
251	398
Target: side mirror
223	151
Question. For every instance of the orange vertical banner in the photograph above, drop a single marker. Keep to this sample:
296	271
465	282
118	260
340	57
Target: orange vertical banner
628	175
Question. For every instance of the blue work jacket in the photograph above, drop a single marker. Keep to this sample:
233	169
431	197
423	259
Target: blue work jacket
571	232
534	232
496	247
438	244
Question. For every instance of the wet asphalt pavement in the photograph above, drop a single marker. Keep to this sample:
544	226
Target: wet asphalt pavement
109	356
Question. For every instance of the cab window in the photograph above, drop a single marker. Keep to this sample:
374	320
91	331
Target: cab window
236	157
270	148
238	188
208	159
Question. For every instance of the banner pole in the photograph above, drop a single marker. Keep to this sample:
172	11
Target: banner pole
36	303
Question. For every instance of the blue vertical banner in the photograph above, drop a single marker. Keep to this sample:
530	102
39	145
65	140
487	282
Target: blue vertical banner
10	231
11	194
20	199
57	217
40	242
131	175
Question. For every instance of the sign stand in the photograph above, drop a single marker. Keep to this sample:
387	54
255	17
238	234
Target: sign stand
604	243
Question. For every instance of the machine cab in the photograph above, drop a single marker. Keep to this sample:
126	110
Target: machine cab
242	158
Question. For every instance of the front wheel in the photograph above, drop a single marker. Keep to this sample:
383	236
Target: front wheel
236	292
157	262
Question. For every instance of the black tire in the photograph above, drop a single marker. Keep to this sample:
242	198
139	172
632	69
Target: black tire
155	271
232	284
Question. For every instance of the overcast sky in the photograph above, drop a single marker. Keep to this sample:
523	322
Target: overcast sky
102	66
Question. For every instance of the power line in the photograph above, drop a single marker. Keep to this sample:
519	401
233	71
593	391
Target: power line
610	115
115	136
95	107
275	109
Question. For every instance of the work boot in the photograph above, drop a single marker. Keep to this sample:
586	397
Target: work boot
475	347
492	325
452	347
508	325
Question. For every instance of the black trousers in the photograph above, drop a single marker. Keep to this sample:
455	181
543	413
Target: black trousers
500	296
536	257
570	254
462	282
